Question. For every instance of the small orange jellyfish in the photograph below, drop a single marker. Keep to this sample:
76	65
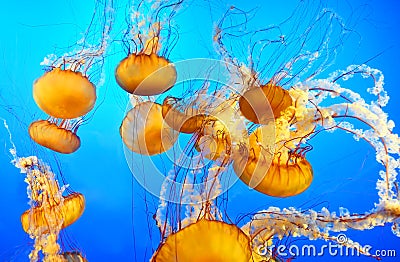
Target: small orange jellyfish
57	138
254	103
188	121
144	131
146	71
71	210
275	174
212	137
145	74
205	240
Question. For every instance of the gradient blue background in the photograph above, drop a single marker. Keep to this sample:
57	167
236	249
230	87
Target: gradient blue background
116	213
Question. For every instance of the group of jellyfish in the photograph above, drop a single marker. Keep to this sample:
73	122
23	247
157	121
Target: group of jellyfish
259	126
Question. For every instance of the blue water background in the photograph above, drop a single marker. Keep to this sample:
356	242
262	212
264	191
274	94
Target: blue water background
117	209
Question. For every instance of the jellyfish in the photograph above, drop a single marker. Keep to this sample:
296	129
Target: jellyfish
205	240
270	60
278	147
322	105
50	211
65	95
146	71
144	131
66	92
70	211
188	122
145	74
55	137
272	173
199	117
273	159
253	104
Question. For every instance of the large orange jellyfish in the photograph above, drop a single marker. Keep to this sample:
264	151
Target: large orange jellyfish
325	104
146	71
65	92
275	174
272	161
309	115
205	240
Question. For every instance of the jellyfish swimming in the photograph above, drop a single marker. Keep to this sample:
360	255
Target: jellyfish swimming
321	106
153	74
273	158
205	240
274	174
53	136
144	131
65	94
66	91
53	206
70	211
188	122
50	211
146	71
260	127
253	106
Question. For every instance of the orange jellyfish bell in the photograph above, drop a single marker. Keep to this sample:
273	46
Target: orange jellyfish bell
205	240
187	122
144	131
262	104
54	137
70	211
145	74
64	94
270	173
